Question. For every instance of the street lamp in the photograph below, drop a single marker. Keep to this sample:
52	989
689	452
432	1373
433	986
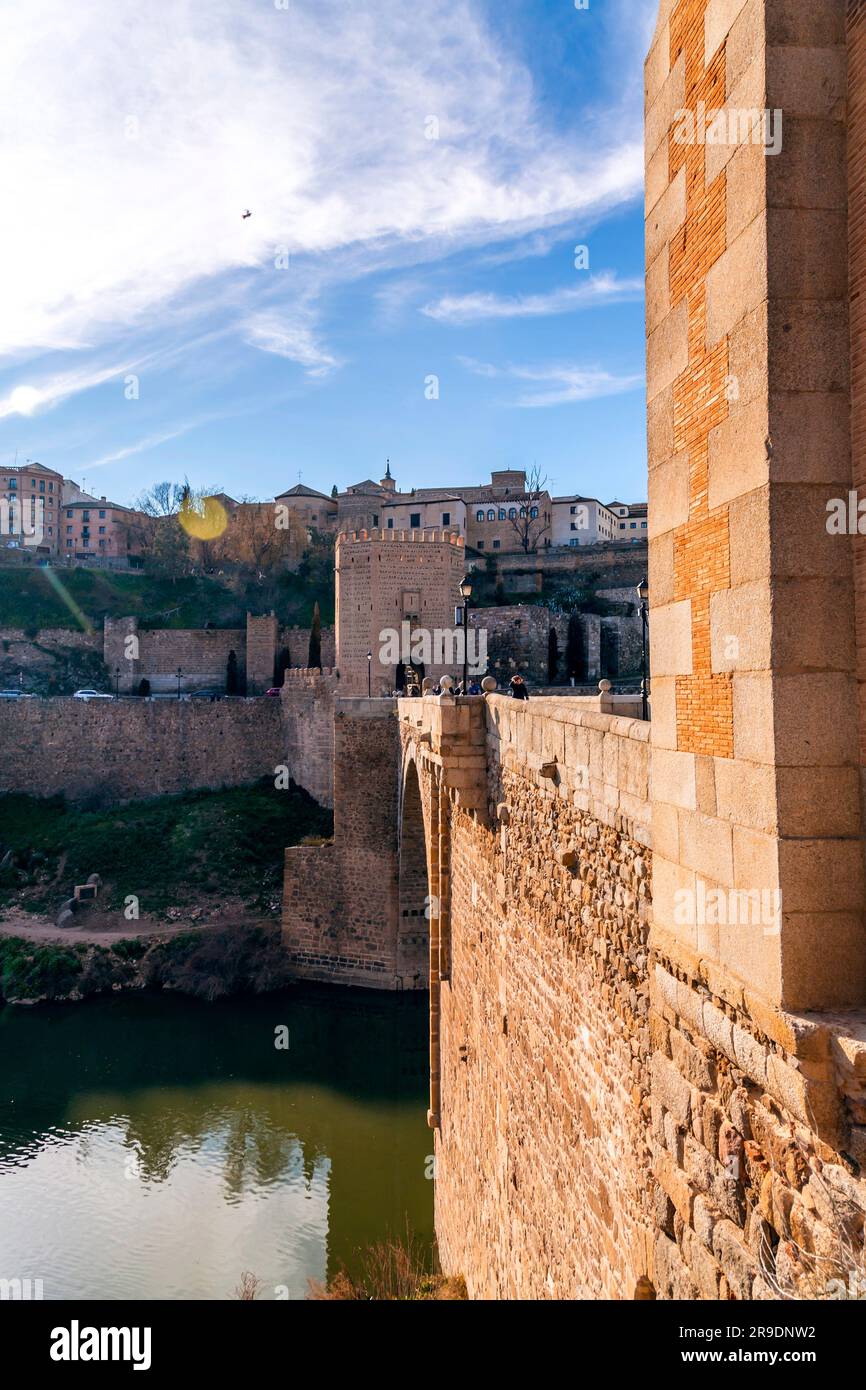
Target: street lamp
369	675
466	594
643	596
179	674
117	682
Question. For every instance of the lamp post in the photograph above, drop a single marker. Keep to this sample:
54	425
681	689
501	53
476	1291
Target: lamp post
369	675
179	674
466	594
643	595
117	682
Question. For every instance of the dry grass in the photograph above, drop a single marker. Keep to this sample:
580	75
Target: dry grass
391	1271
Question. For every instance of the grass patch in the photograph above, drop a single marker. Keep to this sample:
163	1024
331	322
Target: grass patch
179	851
29	601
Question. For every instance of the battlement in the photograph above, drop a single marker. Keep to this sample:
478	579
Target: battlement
430	533
298	676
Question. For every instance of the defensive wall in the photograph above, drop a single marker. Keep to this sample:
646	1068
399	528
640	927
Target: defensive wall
111	751
202	654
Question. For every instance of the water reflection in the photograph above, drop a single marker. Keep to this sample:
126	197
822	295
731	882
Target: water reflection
156	1147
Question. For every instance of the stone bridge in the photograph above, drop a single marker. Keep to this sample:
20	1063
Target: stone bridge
647	964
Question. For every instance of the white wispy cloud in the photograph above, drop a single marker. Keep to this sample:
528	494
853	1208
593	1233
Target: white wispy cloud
557	384
294	340
28	398
596	290
155	126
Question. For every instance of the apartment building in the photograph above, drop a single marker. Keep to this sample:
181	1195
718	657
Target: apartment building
30	501
94	526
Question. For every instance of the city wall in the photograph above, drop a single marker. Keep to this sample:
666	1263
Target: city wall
112	751
202	654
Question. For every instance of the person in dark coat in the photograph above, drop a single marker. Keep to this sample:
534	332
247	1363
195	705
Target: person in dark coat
517	688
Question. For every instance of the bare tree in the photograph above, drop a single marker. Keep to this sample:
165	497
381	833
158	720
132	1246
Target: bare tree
163	499
532	521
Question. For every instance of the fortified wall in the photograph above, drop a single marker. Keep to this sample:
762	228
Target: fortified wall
132	653
109	751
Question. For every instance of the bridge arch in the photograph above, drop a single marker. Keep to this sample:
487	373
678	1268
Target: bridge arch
423	838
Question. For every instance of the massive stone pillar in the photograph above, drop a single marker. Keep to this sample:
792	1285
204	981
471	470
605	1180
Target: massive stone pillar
755	737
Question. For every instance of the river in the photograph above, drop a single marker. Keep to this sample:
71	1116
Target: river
153	1146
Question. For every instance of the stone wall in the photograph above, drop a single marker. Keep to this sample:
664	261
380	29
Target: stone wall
340	913
383	579
112	751
615	1115
154	654
307	710
542	1151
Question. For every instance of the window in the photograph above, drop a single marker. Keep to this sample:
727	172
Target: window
85	542
102	530
85	516
41	486
414	521
479	545
69	542
102	516
574	526
501	513
512	513
50	487
68	529
102	545
390	523
534	513
479	516
51	530
491	515
13	482
522	513
69	513
375	518
446	518
634	526
496	545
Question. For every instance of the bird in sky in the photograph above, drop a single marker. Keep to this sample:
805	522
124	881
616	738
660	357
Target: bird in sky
245	214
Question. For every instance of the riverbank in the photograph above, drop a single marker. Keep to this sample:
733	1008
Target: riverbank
208	962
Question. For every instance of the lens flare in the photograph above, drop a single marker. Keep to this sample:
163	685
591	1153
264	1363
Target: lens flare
204	518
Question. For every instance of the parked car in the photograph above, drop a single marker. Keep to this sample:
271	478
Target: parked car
274	690
17	695
207	695
91	695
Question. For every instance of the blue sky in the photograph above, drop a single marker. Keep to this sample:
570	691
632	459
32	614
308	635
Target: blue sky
418	176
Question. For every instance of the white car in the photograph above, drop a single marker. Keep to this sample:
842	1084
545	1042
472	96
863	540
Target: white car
91	695
16	695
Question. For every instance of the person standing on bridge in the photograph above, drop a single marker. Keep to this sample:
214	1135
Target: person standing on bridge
517	688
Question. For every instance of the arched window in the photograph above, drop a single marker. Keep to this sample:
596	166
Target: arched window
479	516
512	513
522	513
491	515
534	513
501	513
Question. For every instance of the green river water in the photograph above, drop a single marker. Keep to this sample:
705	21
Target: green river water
152	1146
